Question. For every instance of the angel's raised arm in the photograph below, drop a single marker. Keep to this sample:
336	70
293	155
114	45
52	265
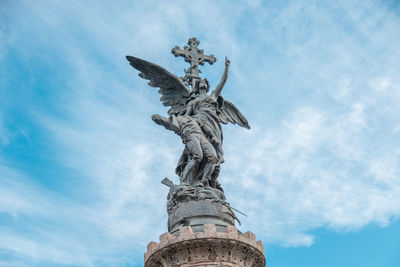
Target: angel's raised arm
218	89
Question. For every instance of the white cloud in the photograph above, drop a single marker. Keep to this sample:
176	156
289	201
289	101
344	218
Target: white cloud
322	151
314	170
29	209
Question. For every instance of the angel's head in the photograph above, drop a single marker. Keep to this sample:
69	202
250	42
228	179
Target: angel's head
203	86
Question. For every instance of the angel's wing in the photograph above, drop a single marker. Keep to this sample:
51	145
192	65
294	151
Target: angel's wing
229	113
173	90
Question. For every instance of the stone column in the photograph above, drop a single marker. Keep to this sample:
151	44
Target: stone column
206	245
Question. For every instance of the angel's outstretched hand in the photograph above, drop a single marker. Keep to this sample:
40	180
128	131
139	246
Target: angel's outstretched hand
227	62
157	119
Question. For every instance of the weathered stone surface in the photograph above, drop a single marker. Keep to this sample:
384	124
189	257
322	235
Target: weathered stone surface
197	117
200	212
208	248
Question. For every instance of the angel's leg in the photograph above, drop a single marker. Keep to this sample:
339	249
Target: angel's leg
189	166
195	156
211	156
208	170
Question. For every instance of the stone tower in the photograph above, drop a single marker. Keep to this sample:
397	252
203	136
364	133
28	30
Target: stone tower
201	223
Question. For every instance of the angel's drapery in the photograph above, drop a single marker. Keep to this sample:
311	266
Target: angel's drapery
210	111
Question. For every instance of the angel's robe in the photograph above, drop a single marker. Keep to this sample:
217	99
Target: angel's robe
205	111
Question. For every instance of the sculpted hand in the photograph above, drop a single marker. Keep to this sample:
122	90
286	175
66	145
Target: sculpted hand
157	118
227	62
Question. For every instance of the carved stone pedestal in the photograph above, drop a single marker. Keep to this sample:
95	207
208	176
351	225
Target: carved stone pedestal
199	212
206	246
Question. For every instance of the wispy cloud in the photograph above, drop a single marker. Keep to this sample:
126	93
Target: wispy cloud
315	170
322	151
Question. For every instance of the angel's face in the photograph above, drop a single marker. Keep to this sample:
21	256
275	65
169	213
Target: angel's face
203	88
202	91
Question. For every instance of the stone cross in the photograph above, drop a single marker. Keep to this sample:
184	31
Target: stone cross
194	56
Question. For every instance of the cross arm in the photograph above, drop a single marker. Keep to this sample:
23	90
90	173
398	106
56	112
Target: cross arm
210	59
177	51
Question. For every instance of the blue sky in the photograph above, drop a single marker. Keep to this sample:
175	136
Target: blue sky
81	161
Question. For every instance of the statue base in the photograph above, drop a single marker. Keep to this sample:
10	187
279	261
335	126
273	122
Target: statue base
200	212
191	205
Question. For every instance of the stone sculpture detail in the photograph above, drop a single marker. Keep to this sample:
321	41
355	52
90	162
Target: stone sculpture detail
196	117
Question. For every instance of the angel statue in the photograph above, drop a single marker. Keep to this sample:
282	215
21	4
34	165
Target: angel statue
195	115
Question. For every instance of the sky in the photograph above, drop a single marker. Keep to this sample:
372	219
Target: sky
81	161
